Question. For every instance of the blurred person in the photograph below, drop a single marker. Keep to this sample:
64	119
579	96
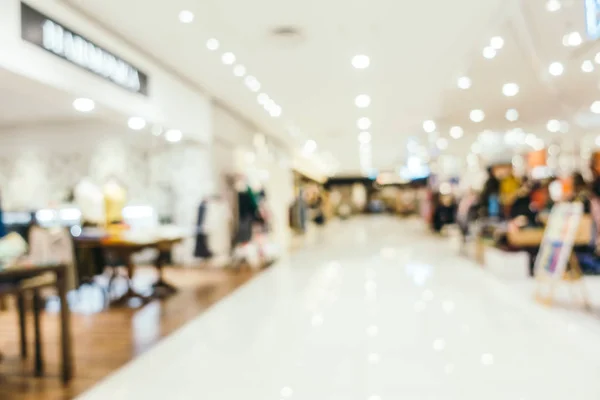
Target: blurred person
489	195
521	211
595	204
508	191
540	196
444	213
466	212
317	207
581	192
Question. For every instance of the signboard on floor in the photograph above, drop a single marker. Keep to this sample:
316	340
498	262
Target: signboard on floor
557	244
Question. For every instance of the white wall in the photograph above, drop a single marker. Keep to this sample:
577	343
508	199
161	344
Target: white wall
232	139
39	165
170	101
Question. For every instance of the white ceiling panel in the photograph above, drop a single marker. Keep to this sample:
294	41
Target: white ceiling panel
415	47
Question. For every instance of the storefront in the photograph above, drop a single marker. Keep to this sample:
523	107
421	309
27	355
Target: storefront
166	144
145	128
245	159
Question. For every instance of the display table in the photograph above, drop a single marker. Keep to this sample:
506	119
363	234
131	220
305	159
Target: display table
15	280
124	248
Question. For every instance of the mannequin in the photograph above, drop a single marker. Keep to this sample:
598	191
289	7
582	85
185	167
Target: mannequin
90	200
115	197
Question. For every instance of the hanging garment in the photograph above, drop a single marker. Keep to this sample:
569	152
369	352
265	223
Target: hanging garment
248	210
244	234
247	204
201	250
217	224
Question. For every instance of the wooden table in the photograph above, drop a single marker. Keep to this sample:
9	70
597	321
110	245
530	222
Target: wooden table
125	249
13	277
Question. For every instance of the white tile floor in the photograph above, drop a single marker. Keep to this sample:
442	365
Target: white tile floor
375	310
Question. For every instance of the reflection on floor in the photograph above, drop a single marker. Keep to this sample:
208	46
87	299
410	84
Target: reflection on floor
512	270
105	341
377	309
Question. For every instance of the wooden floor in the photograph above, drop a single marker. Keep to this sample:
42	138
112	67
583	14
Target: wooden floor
105	340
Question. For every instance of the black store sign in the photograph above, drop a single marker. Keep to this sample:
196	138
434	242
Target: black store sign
55	38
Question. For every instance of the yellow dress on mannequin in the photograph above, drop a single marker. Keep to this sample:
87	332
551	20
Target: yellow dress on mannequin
115	198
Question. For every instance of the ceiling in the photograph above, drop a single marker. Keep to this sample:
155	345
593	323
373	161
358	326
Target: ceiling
415	49
533	40
24	101
418	50
27	102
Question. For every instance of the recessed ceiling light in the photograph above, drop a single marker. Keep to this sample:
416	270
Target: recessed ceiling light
512	115
439	344
572	39
173	135
361	61
84	105
363	123
595	107
212	44
530	139
364	137
553	5
275	111
597	58
487	359
252	83
136	123
310	146
269	104
553	125
539	144
587	66
464	82
556	69
228	58
186	16
477	115
262	98
429	126
456	132
239	70
489	52
497	42
362	101
510	89
442	143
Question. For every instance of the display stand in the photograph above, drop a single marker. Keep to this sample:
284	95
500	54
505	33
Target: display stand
556	262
